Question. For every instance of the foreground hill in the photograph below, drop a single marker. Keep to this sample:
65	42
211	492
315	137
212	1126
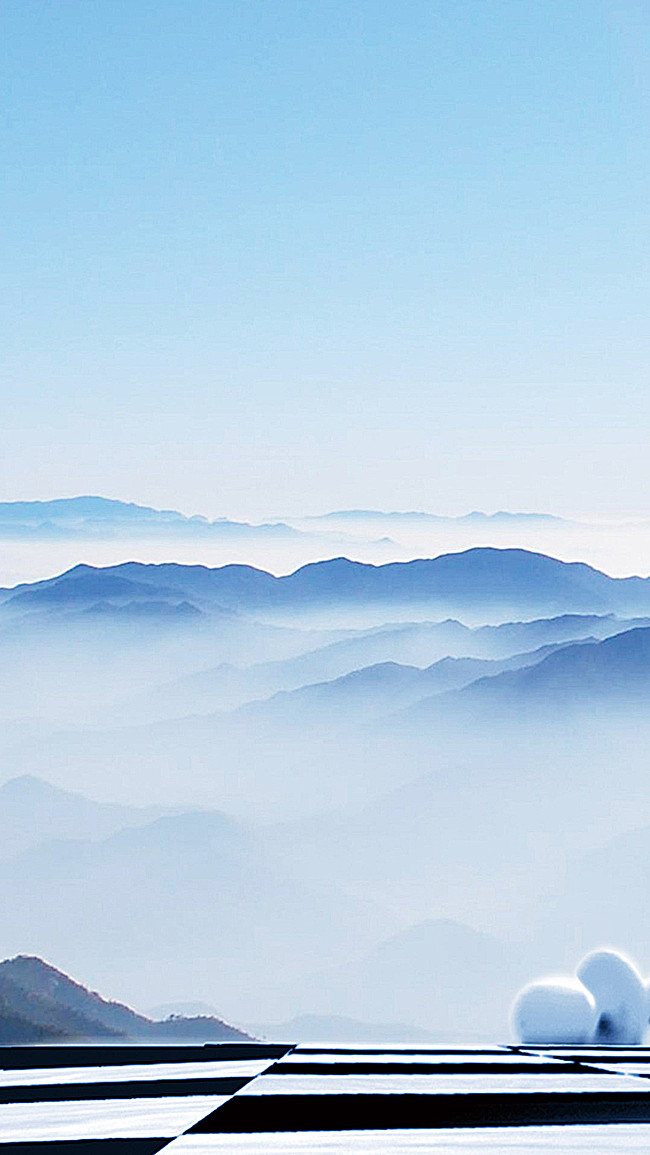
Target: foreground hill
38	1003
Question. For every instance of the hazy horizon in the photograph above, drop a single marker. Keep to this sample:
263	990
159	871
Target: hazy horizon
44	548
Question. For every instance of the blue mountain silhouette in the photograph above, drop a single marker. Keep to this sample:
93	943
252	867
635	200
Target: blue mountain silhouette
488	579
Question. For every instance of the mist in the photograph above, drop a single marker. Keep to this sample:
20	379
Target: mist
400	785
43	542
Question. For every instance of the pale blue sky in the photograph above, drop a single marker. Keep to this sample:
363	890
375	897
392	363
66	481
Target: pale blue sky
265	256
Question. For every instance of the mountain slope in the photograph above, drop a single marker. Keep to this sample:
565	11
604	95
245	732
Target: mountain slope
32	811
268	759
381	689
39	1002
615	671
227	686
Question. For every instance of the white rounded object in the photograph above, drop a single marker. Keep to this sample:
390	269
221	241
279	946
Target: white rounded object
621	997
554	1011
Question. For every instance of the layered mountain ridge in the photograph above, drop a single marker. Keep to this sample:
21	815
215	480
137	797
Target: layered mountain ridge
492	579
291	771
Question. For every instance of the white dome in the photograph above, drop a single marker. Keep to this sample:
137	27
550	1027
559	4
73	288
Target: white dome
554	1011
620	994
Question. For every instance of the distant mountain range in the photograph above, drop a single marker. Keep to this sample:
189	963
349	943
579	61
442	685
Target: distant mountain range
44	537
358	516
89	515
364	656
40	1004
195	899
186	896
615	671
339	1029
488	581
334	738
379	690
101	517
33	811
435	973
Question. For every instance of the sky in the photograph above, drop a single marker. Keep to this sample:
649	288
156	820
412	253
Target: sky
266	257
